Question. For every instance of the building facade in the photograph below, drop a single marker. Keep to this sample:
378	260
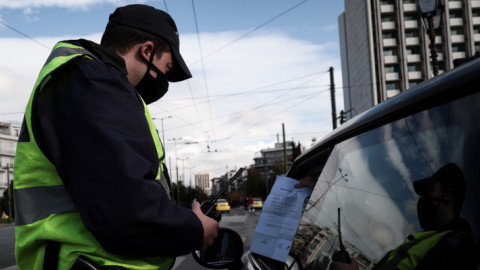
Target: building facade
9	133
267	159
385	49
203	181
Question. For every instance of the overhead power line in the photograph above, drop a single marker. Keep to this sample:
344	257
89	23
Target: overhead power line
203	69
251	31
25	35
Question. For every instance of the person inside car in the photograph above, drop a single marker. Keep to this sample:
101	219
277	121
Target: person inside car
447	241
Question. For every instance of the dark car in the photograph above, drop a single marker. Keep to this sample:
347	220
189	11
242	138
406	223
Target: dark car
365	169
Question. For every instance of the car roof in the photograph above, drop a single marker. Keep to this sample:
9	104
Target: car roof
441	89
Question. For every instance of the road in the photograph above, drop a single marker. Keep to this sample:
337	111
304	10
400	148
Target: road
239	220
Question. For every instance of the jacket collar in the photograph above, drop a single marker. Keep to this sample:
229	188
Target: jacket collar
103	54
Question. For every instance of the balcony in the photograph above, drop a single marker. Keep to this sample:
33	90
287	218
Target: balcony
391	59
476	20
475	3
409	7
456	21
412	41
456	55
388	25
411	24
476	37
389	42
414	75
413	58
454	4
392	76
458	38
392	93
387	8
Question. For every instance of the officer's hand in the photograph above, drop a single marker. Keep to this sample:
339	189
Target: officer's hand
307	181
344	266
210	226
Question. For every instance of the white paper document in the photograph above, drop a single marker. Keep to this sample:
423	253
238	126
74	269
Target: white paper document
279	220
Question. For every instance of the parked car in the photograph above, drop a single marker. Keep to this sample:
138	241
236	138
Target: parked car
257	203
222	206
364	172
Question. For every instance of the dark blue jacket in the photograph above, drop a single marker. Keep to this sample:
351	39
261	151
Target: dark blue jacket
90	123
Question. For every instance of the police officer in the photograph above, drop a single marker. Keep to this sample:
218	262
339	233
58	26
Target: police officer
447	241
91	188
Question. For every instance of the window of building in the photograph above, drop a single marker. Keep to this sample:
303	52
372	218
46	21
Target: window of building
388	18
414	67
457	31
392	85
389	34
410	16
387	2
412	84
413	50
389	52
411	33
460	47
392	68
476	13
456	13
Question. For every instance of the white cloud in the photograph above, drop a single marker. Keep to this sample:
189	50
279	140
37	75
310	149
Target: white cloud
237	125
28	4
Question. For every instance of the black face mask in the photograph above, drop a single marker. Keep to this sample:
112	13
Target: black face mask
427	212
152	89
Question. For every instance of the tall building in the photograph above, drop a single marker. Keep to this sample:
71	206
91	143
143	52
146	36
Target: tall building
9	133
385	48
203	181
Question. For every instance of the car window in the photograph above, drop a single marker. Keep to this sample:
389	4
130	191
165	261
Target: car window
369	177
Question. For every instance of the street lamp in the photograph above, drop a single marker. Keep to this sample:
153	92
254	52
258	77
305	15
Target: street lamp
431	12
183	166
161	119
176	165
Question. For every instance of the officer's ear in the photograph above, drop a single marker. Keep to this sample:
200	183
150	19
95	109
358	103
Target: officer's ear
146	50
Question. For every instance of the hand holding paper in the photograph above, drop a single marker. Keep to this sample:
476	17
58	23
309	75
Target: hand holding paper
279	220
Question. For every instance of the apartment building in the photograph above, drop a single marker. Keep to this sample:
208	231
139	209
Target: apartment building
385	49
9	133
203	181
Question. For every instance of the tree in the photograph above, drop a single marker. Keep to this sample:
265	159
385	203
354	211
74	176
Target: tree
4	207
296	150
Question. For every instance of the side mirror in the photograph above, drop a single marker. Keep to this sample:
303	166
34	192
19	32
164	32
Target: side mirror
225	252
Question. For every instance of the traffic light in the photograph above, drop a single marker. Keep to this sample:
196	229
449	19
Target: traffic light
342	117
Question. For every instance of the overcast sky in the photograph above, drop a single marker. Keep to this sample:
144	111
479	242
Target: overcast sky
256	64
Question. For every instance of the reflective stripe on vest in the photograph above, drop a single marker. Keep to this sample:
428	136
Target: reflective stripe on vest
44	210
413	249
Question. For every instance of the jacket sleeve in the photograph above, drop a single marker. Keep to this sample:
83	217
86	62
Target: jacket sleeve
91	125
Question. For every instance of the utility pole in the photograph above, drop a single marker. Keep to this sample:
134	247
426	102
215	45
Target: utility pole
332	94
10	195
284	149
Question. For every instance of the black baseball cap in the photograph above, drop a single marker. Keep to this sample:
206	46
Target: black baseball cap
450	175
156	22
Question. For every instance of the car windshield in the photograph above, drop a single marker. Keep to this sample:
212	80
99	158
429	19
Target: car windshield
369	178
221	201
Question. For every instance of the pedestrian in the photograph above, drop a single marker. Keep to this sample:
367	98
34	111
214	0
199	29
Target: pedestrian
250	204
91	186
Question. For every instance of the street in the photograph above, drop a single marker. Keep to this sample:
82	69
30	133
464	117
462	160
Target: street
239	220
